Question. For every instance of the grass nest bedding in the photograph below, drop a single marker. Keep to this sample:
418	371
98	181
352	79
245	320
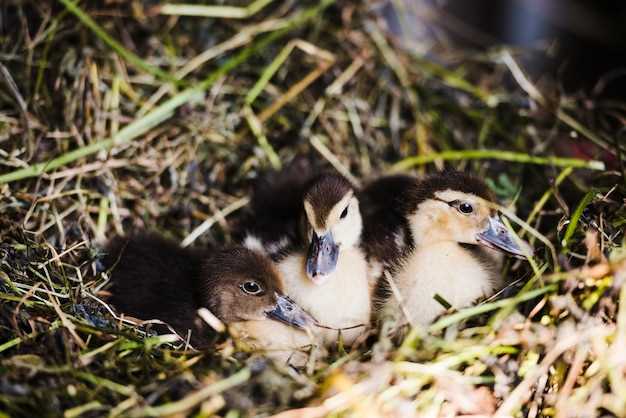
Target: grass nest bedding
123	116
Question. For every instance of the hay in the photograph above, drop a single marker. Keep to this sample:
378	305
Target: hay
116	116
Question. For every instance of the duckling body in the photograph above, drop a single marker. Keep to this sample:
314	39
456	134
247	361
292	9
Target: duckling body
447	270
278	341
321	261
154	278
387	236
451	251
273	224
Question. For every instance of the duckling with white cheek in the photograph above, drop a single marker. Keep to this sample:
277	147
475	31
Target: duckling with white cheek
458	242
324	269
154	278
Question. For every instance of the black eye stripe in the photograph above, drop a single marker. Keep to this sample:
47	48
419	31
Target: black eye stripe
344	213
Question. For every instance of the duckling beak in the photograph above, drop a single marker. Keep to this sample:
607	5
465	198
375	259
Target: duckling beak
322	257
498	237
285	310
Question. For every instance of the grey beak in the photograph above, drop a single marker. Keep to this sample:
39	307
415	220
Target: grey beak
497	236
288	312
322	257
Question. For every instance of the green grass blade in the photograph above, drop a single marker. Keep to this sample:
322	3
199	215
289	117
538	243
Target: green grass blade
106	383
229	12
10	343
268	73
418	332
165	110
446	321
573	223
131	131
544	198
197	397
81	409
257	130
131	58
454	80
496	155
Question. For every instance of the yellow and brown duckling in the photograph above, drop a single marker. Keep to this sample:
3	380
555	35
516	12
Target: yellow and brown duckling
323	265
154	278
455	246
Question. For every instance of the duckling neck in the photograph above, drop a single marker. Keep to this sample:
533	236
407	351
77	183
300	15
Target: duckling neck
444	268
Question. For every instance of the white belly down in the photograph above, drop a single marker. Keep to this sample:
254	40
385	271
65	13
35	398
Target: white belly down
281	342
443	269
342	301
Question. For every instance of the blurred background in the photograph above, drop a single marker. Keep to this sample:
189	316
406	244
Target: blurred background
579	44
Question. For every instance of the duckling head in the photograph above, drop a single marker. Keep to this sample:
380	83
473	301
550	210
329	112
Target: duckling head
454	206
333	223
239	284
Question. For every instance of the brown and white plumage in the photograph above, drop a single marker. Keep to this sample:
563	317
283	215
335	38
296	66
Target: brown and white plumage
323	265
154	278
455	236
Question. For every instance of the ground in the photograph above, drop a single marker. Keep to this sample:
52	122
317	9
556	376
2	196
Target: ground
119	116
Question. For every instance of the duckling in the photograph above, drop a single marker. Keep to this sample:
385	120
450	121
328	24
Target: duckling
154	278
273	224
387	236
455	246
323	265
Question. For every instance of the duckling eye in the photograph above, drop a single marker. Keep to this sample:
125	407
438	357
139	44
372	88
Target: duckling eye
251	288
465	208
344	213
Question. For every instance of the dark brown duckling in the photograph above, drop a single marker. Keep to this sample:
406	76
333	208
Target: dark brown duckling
154	278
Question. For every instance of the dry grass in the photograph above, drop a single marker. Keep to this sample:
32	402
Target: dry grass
96	140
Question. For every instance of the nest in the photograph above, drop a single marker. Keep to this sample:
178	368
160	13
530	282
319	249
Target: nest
120	116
